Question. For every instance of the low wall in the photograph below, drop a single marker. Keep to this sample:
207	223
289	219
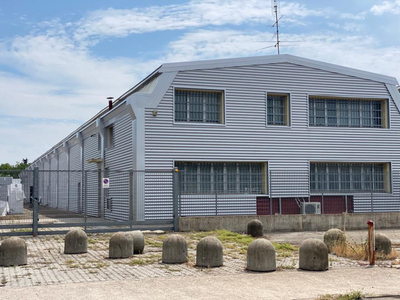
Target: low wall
292	222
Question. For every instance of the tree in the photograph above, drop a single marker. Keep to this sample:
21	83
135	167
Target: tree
13	170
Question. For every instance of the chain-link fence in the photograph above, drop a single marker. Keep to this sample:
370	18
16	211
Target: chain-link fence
288	192
51	201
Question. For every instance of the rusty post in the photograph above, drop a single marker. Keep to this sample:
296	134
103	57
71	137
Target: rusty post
371	242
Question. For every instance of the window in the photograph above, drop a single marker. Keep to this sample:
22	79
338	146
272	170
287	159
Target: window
199	106
221	177
347	112
110	136
278	109
349	177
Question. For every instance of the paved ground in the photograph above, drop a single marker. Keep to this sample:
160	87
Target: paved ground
51	273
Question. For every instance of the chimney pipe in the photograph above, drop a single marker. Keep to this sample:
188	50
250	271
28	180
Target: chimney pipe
110	103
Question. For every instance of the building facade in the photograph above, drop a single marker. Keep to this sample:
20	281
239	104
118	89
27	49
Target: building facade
248	129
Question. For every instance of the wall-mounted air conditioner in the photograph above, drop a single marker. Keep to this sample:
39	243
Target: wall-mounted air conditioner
310	208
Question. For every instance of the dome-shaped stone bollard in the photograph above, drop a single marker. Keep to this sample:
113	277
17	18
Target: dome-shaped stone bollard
121	245
138	241
261	256
334	237
209	252
13	252
75	241
255	228
382	243
174	250
313	255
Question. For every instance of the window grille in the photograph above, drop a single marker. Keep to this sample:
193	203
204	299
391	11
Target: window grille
347	112
349	177
198	106
277	109
229	178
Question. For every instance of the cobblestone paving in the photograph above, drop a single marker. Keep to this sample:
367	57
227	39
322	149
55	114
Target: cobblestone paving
47	264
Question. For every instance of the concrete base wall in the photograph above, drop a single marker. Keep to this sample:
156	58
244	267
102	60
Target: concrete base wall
292	222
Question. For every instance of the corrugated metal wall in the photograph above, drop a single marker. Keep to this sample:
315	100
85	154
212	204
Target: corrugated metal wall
119	157
46	183
245	136
63	181
53	182
90	151
75	179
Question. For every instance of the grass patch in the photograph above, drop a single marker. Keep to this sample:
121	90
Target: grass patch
356	295
360	252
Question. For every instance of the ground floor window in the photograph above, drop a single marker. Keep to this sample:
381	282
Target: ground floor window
351	177
223	177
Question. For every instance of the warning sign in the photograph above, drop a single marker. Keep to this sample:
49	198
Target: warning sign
106	183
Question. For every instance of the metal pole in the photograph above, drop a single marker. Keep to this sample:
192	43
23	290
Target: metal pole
35	201
85	198
371	243
322	203
345	201
175	183
131	198
216	193
280	205
372	201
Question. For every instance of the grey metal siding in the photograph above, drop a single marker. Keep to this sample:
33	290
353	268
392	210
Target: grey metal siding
75	178
117	158
53	182
63	181
245	136
90	150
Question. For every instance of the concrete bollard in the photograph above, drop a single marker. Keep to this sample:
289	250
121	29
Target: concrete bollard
121	245
13	252
261	256
334	237
209	252
383	244
138	241
255	228
174	250
75	241
313	255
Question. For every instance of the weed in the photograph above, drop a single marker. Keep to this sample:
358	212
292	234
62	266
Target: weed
3	280
356	295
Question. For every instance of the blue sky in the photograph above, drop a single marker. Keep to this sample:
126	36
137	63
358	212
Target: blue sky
59	60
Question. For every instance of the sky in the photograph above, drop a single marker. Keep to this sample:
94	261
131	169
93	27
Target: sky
60	60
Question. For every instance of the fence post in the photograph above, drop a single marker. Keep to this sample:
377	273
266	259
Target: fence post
216	192
35	197
322	203
345	202
131	198
85	197
372	201
175	183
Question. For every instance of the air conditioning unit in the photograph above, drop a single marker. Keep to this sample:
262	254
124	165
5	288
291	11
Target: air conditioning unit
310	208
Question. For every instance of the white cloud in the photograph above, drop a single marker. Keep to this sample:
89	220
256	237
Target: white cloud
196	13
387	7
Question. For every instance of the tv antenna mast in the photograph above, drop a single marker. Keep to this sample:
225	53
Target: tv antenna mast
276	24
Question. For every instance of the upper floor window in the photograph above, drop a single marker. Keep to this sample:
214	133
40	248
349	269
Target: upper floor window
341	112
278	109
199	106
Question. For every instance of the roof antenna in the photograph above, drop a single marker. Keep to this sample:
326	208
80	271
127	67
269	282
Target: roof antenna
277	24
